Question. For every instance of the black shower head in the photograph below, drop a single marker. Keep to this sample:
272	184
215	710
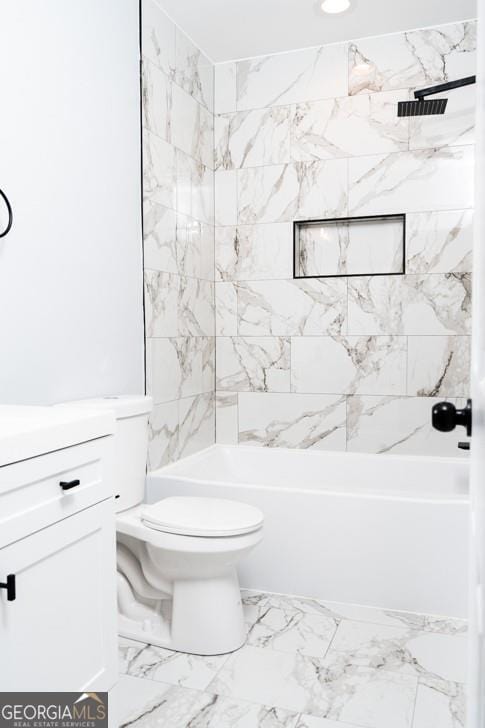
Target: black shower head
425	107
421	107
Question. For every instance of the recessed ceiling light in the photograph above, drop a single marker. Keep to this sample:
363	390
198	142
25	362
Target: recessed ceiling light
335	6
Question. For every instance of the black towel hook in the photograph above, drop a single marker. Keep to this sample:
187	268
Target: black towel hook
10	214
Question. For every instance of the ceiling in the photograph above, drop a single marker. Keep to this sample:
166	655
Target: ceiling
231	29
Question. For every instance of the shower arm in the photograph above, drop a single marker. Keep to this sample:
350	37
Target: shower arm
444	87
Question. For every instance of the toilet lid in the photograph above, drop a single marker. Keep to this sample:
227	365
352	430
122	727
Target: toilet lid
193	516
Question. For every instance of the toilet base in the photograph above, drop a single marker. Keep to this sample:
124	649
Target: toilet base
206	617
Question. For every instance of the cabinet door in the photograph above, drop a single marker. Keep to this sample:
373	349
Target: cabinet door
60	631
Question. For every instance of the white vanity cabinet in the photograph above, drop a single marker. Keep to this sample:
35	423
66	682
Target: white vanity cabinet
58	569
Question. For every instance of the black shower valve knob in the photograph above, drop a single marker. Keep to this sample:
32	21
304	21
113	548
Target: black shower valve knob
445	417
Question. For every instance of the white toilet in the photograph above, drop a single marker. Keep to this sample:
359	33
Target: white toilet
177	581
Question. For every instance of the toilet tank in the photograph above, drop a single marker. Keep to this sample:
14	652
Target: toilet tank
130	444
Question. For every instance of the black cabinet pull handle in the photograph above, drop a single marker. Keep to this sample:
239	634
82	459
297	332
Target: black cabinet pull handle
9	585
464	445
10	214
69	484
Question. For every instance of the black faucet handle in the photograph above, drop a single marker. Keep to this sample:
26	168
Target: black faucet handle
445	417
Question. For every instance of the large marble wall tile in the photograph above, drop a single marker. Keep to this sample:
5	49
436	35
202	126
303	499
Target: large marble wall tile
226	418
455	127
157	101
422	180
253	364
196	307
194	248
412	304
163	432
439	366
226	309
225	88
196	423
444	706
292	420
207	345
252	252
160	237
194	72
314	73
225	197
396	425
192	127
349	364
300	190
180	367
252	138
346	127
439	242
415	58
195	188
158	37
161	304
159	171
292	308
164	370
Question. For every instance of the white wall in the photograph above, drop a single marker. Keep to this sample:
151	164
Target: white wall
71	313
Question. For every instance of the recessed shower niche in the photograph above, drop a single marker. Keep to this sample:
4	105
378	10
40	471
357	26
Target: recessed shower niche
349	246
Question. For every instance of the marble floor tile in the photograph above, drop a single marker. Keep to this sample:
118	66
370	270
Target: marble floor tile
363	696
312	721
430	656
293	631
176	668
287	603
334	610
147	704
216	711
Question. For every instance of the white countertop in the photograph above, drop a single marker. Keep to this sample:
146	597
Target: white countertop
26	432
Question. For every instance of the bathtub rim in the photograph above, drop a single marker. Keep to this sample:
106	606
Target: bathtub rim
172	471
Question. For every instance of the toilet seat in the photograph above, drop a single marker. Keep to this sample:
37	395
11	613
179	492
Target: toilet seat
199	516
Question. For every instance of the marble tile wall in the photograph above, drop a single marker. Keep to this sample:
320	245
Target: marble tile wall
344	363
178	187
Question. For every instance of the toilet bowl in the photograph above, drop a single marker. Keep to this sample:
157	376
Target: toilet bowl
183	571
176	559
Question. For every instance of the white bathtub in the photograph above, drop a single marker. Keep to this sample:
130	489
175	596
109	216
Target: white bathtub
381	530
